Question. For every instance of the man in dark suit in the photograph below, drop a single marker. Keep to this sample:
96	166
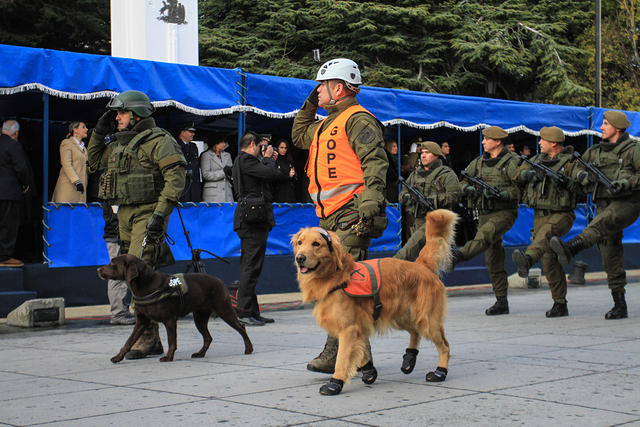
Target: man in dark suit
192	190
252	177
14	181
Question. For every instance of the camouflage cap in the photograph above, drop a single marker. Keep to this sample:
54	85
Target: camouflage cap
495	132
432	147
552	134
617	119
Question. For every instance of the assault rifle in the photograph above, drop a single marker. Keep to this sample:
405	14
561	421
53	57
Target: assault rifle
196	260
480	184
419	197
600	178
546	171
558	177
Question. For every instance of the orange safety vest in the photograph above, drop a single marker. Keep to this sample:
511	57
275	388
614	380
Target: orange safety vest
334	169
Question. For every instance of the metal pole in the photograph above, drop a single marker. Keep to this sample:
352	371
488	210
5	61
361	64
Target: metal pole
399	137
45	177
45	155
598	55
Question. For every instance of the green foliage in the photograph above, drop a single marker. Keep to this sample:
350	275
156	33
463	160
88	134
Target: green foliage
75	25
528	48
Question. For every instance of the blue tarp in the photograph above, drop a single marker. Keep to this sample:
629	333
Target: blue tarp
214	91
201	90
281	97
210	228
76	231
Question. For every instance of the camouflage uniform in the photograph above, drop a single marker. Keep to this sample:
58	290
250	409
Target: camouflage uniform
497	216
554	212
440	184
155	187
615	212
366	140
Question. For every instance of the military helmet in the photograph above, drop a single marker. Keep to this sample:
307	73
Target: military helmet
134	101
340	69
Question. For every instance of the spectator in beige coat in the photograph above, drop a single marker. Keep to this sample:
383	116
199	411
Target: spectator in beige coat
72	180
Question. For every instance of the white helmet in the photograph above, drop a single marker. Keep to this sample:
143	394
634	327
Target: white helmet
340	69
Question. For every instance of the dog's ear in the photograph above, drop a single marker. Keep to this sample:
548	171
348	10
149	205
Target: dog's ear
337	250
131	271
296	237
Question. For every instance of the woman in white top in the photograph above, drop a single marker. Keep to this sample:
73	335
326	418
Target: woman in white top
72	180
215	164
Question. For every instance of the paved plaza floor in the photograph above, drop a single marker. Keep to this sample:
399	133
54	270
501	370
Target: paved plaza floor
518	369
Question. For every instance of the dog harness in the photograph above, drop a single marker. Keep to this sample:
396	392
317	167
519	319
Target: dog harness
364	281
176	287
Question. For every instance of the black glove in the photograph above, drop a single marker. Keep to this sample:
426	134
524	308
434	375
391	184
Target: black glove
585	178
155	227
106	123
227	170
529	175
313	96
470	191
80	187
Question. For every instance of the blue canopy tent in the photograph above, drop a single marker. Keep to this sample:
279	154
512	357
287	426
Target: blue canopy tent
206	91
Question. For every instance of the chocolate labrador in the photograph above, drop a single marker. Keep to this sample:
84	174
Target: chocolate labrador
163	300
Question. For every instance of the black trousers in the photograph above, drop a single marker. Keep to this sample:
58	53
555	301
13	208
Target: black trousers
253	246
9	223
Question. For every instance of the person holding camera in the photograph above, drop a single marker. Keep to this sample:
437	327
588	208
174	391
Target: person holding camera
252	220
216	165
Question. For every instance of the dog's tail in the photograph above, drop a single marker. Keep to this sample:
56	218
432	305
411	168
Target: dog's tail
440	232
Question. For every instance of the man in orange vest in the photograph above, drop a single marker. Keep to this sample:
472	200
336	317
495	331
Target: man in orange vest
347	169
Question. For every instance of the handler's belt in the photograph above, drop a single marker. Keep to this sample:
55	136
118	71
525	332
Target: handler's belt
176	287
364	281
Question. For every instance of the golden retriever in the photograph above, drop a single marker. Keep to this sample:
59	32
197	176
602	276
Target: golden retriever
412	295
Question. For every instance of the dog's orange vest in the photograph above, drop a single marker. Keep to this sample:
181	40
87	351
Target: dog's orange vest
364	279
334	169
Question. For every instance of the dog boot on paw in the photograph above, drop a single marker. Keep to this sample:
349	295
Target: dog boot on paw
332	387
409	360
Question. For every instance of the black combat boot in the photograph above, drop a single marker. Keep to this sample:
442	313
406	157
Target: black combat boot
566	250
523	262
619	310
501	306
558	310
456	257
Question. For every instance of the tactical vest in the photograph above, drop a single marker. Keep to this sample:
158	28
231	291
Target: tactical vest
547	194
614	164
334	169
426	187
496	176
126	181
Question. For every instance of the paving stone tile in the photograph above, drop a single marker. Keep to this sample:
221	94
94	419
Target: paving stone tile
611	391
490	410
68	406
